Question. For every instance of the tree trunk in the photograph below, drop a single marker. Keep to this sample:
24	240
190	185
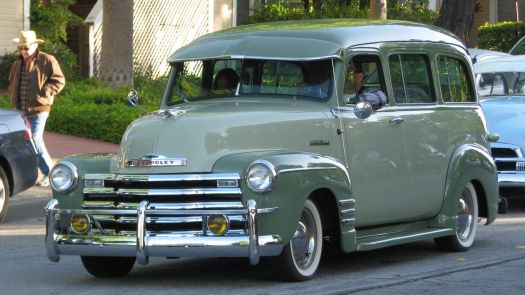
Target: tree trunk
378	9
306	5
457	17
116	53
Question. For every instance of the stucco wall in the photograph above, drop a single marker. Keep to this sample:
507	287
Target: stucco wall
11	22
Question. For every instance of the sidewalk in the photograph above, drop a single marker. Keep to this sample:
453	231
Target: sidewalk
59	145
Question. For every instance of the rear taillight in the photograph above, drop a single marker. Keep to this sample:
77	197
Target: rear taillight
28	129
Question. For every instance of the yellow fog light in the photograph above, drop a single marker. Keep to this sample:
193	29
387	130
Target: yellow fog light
218	224
80	223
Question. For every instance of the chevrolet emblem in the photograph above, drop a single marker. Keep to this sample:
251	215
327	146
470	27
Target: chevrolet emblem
156	161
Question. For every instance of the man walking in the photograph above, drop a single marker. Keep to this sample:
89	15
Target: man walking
35	78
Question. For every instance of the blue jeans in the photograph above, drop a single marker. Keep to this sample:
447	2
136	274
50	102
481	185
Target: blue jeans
38	123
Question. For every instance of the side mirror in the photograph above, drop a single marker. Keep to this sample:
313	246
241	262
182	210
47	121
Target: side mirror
133	99
363	110
493	137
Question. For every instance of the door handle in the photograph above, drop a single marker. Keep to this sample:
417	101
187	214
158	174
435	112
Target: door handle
397	120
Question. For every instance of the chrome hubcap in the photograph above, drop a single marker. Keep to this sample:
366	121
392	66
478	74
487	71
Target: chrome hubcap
465	215
303	243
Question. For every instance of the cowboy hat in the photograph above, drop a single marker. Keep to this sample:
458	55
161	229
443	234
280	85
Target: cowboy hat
27	38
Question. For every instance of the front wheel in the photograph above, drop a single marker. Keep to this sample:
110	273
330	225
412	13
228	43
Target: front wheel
4	194
467	223
300	258
108	267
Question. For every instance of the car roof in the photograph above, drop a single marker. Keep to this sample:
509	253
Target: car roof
312	39
513	63
478	55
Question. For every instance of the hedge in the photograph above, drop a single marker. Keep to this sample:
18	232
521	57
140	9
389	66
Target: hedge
92	110
501	36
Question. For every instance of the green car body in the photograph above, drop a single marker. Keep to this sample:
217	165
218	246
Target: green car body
289	165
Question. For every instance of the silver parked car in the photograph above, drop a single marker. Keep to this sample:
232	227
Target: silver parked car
501	88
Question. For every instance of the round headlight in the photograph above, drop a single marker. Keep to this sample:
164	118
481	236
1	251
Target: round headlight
260	176
63	177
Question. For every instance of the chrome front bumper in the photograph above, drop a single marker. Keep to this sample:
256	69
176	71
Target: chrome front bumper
515	179
146	244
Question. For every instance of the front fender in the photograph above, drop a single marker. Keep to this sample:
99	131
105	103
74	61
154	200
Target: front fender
297	176
469	163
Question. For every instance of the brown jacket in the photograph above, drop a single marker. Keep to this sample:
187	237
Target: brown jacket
44	82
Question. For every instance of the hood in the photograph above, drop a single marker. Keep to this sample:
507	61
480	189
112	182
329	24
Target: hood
192	137
505	115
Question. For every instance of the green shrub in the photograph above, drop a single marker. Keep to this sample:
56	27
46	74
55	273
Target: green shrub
91	109
90	120
66	58
6	61
282	11
412	10
500	36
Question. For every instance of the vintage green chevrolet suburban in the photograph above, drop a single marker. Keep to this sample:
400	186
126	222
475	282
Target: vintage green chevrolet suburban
266	146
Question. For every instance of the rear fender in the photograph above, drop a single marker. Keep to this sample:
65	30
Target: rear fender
469	163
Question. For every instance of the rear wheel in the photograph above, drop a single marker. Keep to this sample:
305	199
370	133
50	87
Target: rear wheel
108	267
467	223
4	194
300	258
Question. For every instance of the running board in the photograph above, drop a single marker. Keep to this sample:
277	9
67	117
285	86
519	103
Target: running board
376	242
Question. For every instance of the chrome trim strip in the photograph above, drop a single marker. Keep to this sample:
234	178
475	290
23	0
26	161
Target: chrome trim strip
162	192
192	191
252	232
141	233
304	169
511	179
515	159
163	212
98	176
161	246
347	202
51	246
177	177
499	145
187	219
347	212
171	220
97	205
349	221
196	205
98	190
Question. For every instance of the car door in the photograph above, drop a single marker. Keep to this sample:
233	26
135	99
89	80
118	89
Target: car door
376	152
425	132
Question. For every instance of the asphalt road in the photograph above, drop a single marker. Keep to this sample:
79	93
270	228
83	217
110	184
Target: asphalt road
495	265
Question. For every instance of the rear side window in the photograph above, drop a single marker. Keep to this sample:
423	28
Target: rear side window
454	80
411	78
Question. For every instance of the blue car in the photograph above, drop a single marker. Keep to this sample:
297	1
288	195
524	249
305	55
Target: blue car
18	159
500	83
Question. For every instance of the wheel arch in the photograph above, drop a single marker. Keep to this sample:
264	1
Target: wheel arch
9	173
469	163
326	201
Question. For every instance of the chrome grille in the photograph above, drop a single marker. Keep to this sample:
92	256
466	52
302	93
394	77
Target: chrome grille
195	193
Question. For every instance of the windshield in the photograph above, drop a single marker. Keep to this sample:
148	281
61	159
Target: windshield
500	83
208	79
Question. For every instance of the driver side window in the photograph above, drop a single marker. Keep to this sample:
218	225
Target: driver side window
365	81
